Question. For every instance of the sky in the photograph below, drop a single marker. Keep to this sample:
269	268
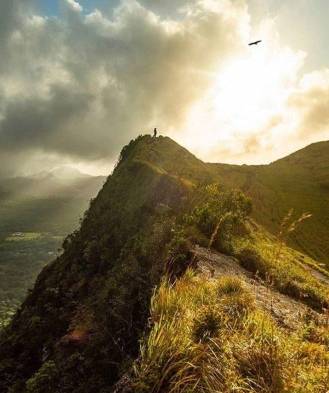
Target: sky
80	79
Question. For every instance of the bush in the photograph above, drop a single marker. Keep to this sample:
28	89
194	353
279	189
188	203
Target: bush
180	255
44	380
218	214
252	261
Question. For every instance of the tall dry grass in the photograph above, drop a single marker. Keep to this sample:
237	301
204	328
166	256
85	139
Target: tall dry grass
209	336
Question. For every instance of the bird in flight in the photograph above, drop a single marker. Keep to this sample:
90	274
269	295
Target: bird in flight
255	42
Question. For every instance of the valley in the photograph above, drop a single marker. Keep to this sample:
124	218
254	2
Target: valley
36	214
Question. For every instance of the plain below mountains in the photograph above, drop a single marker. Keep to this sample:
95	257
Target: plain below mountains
49	201
36	213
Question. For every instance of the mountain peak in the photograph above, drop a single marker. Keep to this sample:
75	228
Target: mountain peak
64	172
311	154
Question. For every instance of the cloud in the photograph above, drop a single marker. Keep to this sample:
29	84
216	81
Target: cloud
82	85
74	5
78	86
311	102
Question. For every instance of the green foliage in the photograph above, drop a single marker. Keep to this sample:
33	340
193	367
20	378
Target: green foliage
44	380
180	255
299	181
33	223
259	254
219	212
251	260
110	266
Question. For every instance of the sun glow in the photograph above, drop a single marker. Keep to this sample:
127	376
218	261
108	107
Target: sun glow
253	88
248	97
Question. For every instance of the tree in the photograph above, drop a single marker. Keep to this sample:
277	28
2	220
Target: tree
219	208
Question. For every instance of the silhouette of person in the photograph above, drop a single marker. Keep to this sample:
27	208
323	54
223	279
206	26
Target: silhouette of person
155	133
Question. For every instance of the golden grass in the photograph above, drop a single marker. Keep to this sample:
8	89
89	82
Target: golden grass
209	336
258	253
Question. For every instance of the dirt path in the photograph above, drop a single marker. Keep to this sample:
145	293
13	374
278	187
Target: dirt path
287	311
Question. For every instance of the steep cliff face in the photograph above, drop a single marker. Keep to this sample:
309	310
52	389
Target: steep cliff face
82	321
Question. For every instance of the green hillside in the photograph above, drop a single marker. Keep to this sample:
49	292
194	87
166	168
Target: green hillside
142	301
300	182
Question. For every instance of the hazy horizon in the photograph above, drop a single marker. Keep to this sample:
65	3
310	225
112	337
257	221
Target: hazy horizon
67	172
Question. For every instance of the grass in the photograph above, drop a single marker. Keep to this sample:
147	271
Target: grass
257	252
299	181
209	336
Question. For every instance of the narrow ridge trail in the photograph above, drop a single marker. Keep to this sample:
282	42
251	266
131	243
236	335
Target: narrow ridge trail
289	313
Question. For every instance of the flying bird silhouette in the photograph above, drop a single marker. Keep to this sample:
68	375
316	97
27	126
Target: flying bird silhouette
255	42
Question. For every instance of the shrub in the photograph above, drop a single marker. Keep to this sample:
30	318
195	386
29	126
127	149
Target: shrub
218	213
252	261
44	380
180	255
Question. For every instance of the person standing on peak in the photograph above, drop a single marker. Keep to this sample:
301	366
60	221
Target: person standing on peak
155	133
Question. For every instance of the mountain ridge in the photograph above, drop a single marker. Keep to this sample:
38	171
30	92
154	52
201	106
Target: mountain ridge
298	181
80	327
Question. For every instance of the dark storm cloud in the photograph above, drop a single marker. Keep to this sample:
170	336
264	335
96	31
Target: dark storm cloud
36	121
10	17
82	85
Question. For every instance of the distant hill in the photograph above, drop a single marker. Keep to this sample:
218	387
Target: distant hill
46	202
299	181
